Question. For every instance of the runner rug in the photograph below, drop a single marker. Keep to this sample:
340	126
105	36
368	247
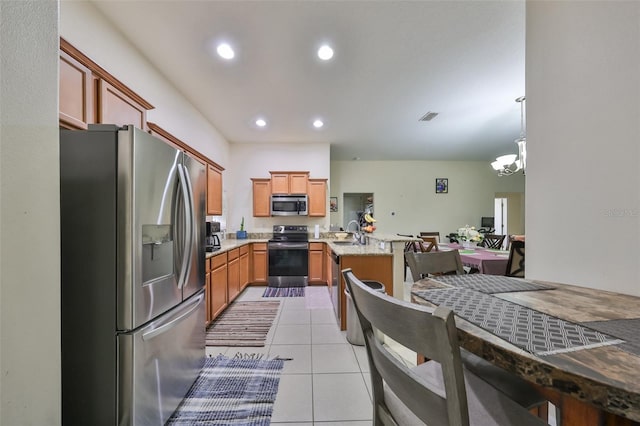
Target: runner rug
243	324
231	392
284	292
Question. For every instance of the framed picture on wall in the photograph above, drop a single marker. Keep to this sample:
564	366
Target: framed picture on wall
333	204
442	185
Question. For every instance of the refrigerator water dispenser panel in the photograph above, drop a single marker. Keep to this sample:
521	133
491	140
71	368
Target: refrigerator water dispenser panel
157	252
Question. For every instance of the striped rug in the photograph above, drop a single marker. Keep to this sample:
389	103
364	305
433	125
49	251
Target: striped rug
284	292
243	324
231	392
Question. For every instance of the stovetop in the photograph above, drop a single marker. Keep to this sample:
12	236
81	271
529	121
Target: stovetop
289	233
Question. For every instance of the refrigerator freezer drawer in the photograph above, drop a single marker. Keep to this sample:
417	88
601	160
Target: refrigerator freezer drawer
159	362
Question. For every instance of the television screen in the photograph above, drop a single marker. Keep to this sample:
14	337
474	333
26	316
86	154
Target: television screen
487	222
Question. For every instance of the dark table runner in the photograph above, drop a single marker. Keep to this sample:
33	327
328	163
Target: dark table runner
626	329
533	331
490	283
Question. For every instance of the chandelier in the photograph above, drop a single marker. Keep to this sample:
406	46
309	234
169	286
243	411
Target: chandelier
509	164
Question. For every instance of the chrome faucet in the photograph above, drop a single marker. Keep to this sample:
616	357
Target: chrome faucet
359	235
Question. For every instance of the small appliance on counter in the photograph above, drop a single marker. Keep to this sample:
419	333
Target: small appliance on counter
212	238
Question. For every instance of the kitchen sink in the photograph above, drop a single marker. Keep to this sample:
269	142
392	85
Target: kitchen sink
345	243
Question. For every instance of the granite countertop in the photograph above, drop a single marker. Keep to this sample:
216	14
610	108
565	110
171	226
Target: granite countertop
231	243
379	245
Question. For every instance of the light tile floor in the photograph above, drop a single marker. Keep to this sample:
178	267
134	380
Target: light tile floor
326	381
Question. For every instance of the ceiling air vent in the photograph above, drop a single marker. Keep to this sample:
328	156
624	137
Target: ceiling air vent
428	116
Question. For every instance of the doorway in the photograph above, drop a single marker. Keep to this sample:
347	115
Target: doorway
356	204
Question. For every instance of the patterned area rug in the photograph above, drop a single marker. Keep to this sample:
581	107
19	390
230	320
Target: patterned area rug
531	330
231	392
243	324
284	292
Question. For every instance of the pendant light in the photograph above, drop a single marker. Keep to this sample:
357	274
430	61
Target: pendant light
509	164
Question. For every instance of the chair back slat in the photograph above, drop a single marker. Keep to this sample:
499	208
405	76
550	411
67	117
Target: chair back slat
493	241
515	264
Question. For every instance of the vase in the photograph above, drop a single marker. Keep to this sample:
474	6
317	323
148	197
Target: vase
241	235
467	244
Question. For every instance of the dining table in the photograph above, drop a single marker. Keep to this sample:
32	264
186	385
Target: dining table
480	259
579	346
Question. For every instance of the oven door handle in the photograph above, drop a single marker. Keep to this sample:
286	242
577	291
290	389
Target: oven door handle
288	246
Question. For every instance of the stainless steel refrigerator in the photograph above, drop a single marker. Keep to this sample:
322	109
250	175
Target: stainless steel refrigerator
133	253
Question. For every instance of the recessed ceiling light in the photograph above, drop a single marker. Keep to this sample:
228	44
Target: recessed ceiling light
225	51
325	52
260	122
318	123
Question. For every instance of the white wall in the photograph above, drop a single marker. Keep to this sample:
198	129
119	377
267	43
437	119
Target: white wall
256	161
583	133
29	215
82	25
407	188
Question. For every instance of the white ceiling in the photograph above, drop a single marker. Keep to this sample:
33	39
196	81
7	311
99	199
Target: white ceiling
394	61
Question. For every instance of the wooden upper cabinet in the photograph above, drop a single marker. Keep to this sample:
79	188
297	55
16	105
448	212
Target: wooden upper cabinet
261	197
289	182
76	93
317	192
89	94
214	190
115	107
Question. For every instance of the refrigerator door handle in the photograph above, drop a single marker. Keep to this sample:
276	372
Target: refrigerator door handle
188	226
175	321
191	219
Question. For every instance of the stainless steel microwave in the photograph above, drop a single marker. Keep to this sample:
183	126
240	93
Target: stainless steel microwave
289	205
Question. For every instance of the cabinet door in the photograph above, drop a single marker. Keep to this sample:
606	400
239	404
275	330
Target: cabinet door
260	264
76	93
233	269
261	197
244	267
298	183
117	108
315	266
214	191
317	197
280	183
218	290
207	290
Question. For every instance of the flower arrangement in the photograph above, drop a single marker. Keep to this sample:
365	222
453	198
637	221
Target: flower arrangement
469	233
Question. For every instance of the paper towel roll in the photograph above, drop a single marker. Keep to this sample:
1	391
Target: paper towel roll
316	232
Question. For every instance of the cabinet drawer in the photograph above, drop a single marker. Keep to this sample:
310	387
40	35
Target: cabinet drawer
218	261
244	249
316	246
207	265
233	254
260	246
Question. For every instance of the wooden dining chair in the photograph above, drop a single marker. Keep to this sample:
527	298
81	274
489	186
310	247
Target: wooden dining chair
429	243
493	241
430	234
422	265
515	264
437	392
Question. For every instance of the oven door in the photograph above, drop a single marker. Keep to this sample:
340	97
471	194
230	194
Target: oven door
288	264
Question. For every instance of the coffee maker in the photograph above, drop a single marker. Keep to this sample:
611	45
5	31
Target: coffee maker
212	239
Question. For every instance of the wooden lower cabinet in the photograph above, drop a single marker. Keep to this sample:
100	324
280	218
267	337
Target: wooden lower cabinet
233	271
316	263
244	267
376	268
260	262
218	295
